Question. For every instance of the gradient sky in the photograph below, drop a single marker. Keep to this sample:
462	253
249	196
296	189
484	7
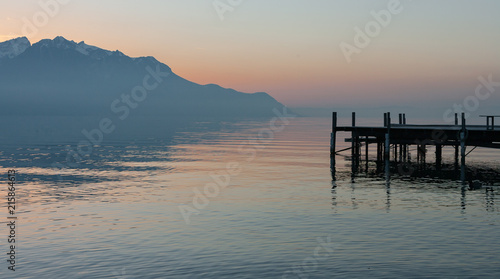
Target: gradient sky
430	54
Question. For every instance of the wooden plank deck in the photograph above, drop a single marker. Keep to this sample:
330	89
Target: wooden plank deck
476	135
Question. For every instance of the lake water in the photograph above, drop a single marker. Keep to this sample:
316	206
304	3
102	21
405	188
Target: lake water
149	207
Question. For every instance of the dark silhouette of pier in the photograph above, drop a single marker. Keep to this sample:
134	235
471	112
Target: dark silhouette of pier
393	142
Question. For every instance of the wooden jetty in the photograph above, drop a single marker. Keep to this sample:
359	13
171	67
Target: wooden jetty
399	137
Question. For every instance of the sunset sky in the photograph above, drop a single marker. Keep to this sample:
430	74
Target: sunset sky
430	53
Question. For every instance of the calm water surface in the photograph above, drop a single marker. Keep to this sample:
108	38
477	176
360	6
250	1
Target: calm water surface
118	213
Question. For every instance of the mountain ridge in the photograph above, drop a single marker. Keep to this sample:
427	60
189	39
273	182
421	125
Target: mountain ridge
14	47
58	74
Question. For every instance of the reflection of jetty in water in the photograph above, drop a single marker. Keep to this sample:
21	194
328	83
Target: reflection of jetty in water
487	196
395	141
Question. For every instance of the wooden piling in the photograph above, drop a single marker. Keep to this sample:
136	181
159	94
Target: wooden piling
463	136
405	146
333	139
400	146
380	152
366	153
354	145
439	154
353	138
387	145
395	152
421	154
424	155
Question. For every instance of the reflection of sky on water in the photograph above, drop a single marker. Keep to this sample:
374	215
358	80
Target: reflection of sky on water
120	209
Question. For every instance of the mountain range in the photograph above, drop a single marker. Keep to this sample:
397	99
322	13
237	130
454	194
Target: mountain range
62	77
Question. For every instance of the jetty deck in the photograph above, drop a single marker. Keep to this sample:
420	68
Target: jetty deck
397	139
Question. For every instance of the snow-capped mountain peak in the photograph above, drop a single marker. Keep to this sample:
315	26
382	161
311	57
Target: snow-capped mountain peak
62	43
14	47
62	77
83	48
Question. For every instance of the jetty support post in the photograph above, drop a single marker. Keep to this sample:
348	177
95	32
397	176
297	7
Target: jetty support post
387	150
457	145
333	138
366	153
463	135
333	142
400	145
380	152
421	154
418	154
354	145
395	152
405	146
424	155
439	156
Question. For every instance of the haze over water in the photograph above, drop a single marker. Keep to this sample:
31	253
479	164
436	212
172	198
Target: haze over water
119	217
